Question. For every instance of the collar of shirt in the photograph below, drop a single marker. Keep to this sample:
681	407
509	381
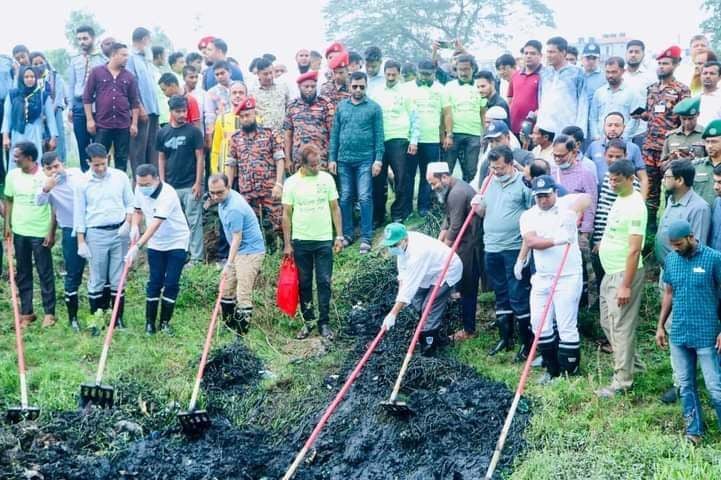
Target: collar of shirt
156	192
595	72
536	71
358	104
684	201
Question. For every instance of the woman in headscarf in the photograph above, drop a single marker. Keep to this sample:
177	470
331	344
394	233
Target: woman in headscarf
54	86
28	110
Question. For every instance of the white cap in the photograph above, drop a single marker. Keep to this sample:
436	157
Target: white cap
496	113
437	167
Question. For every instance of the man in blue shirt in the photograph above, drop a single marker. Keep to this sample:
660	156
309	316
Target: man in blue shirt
140	64
217	51
103	207
356	142
246	253
692	277
614	96
593	77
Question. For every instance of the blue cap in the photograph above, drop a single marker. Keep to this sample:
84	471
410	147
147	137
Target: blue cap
591	50
543	184
679	229
496	129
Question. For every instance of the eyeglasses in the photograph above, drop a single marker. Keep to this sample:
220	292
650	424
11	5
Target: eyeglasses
216	193
561	157
358	87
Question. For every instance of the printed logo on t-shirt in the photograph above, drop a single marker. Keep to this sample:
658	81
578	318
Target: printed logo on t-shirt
175	142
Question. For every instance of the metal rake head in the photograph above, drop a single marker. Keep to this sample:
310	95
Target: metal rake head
96	394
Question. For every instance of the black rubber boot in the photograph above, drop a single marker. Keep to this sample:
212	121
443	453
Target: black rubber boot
166	313
429	342
119	324
241	318
505	329
151	313
549	352
525	336
71	303
95	303
106	301
227	306
569	360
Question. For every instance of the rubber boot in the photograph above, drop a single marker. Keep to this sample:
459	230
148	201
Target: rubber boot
549	353
569	360
505	329
151	313
166	313
525	336
106	301
71	303
227	306
95	303
429	342
119	324
241	317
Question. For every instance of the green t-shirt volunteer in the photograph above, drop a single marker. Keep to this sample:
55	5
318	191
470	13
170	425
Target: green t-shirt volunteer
429	103
28	218
466	104
310	197
399	115
627	217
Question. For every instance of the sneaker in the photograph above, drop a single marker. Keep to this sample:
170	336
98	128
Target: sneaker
48	320
461	335
326	332
537	362
364	248
694	440
347	241
303	333
608	392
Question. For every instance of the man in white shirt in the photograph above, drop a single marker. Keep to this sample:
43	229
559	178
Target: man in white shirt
167	236
548	228
710	97
420	261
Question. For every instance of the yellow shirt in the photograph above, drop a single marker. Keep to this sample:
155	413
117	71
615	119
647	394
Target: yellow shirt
225	126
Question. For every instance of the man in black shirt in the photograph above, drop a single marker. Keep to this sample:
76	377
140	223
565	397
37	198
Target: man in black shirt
181	164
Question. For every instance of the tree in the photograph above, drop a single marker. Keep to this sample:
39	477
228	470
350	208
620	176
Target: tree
405	29
712	24
59	60
78	18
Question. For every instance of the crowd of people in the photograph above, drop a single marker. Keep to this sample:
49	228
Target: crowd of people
560	169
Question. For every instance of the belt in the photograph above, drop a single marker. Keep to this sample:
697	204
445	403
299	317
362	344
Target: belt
114	226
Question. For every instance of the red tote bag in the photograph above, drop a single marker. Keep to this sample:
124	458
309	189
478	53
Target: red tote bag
287	297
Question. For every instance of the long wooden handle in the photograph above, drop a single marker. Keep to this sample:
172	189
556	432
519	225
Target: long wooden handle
526	370
206	346
18	328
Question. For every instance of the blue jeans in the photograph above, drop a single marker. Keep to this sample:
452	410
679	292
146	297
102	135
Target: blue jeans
74	263
165	269
683	360
356	177
511	295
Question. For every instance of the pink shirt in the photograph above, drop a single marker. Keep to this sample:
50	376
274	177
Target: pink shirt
523	88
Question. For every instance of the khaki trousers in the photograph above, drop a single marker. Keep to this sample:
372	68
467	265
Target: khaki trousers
242	277
619	324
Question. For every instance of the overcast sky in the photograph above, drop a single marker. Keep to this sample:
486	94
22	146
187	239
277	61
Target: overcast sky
281	27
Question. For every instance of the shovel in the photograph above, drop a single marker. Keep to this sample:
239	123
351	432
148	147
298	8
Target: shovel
97	393
195	422
23	412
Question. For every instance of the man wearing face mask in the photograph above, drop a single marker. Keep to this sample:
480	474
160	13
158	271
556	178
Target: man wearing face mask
103	207
167	237
501	206
257	160
455	195
58	191
547	228
140	64
420	260
308	121
310	211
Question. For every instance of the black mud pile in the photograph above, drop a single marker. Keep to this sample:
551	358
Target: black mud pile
457	416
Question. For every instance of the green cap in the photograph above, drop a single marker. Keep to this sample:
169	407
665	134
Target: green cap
679	229
713	129
394	233
688	107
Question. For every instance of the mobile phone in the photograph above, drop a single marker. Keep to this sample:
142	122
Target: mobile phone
699	150
638	111
444	44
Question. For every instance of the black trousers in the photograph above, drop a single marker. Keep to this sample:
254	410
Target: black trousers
310	256
395	157
27	249
118	138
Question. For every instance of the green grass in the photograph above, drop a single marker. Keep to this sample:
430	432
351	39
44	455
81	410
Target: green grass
572	434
